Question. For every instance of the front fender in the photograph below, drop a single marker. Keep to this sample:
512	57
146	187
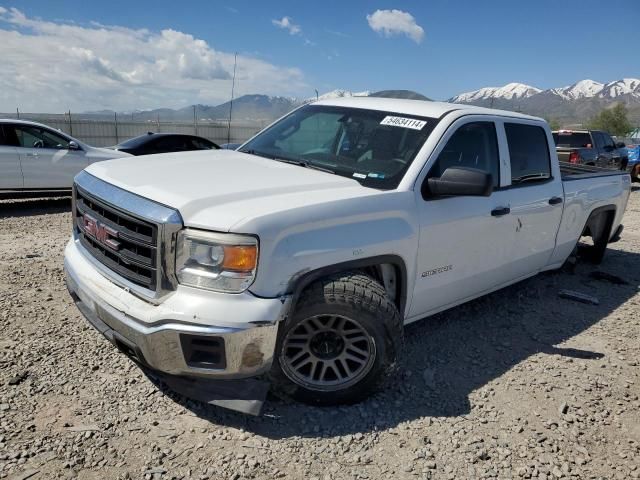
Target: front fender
337	240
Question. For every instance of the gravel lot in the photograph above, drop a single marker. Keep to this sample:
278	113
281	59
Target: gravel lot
520	384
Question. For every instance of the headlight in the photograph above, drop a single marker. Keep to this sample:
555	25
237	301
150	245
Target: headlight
216	261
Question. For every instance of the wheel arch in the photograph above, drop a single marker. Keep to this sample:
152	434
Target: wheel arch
600	219
370	265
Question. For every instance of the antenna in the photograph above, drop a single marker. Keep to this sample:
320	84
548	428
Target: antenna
316	94
233	86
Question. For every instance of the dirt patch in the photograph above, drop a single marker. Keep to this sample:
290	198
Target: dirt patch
519	384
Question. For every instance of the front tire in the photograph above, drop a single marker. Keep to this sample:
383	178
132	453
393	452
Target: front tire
340	344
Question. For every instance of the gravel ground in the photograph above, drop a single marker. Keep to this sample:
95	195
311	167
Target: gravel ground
519	384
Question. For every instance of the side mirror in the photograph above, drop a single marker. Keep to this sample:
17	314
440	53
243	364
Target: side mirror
73	145
620	145
459	181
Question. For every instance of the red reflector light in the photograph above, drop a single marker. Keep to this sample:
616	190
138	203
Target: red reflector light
573	157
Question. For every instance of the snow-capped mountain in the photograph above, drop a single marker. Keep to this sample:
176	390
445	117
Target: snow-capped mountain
571	104
509	91
341	94
626	86
582	89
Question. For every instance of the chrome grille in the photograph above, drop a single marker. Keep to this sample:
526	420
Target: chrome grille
129	239
133	251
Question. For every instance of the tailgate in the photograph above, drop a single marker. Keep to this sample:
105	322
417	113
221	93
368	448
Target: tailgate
563	153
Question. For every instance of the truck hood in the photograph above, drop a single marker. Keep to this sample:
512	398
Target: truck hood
217	190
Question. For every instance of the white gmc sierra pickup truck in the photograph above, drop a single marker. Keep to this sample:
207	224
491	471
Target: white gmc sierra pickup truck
296	260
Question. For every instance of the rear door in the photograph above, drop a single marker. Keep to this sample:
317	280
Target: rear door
10	173
535	194
45	158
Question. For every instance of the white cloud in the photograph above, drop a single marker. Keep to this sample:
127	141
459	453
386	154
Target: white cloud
395	22
287	24
54	66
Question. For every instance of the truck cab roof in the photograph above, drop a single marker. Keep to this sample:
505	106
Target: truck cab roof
421	108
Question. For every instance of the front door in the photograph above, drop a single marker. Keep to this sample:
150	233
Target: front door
10	173
45	158
463	239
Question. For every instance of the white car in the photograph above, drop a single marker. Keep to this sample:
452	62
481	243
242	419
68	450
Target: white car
36	159
299	257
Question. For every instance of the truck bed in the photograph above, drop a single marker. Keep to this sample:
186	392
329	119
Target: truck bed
570	171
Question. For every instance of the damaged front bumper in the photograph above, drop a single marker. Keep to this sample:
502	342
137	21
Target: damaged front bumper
225	343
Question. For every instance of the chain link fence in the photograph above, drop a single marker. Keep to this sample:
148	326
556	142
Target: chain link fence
106	133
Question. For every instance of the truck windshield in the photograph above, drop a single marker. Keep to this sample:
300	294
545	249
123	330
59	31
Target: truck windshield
572	139
373	147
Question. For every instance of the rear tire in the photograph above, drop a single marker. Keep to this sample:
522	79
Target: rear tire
340	344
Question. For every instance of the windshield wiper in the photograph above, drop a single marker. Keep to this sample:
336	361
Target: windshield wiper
255	152
303	163
531	177
300	163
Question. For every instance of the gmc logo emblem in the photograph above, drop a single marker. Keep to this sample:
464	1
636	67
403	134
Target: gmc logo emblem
102	233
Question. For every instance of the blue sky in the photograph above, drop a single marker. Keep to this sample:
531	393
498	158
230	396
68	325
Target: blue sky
466	45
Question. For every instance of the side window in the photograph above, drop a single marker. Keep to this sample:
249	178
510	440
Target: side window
200	144
9	133
473	145
599	139
169	144
529	152
34	137
608	141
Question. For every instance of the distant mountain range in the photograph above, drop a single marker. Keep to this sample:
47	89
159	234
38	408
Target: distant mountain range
573	104
258	109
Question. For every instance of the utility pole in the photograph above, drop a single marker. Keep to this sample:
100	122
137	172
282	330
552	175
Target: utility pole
115	122
195	121
70	124
233	86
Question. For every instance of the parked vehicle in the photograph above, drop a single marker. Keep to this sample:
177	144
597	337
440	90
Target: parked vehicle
37	160
634	162
230	146
151	143
633	154
299	257
590	147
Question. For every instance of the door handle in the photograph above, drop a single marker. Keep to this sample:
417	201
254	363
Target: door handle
500	211
555	200
33	155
